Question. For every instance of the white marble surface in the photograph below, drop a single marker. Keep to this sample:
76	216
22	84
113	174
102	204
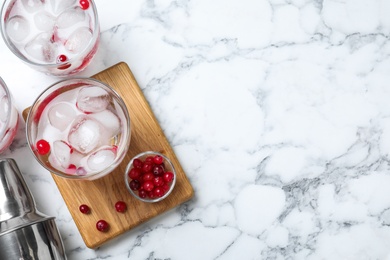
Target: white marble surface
278	111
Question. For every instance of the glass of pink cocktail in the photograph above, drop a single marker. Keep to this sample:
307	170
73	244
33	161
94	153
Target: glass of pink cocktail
57	37
8	117
79	128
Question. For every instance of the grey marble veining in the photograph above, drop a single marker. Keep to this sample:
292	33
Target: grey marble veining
278	112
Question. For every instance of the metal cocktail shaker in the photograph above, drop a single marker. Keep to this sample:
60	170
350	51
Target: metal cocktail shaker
25	233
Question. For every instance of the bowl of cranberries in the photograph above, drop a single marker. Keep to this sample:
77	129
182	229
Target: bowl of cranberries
150	176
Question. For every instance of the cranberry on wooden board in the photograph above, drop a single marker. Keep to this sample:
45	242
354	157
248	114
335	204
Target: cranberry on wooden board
120	206
102	225
84	209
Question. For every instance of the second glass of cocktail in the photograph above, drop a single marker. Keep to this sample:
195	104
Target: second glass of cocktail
79	128
57	37
9	117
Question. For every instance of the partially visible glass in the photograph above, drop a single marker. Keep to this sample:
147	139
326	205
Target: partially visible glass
9	117
57	37
79	128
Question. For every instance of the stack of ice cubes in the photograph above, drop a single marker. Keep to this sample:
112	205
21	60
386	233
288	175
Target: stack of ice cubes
44	29
83	133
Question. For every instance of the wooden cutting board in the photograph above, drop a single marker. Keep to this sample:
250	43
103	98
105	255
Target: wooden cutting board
102	194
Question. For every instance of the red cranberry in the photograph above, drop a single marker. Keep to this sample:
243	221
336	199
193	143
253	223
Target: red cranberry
158	170
149	159
102	225
61	58
158	159
137	163
84	209
148	185
135	184
142	194
147	177
158	181
84	4
147	167
166	187
134	173
151	195
120	206
43	147
168	176
158	192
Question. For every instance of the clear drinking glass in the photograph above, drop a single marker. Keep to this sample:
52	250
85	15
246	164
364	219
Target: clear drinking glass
57	37
79	128
9	117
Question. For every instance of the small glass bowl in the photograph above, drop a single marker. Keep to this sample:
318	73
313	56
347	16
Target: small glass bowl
152	195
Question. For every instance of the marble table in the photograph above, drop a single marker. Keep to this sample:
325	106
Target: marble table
278	110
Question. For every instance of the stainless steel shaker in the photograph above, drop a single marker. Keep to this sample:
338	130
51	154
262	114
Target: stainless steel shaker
25	233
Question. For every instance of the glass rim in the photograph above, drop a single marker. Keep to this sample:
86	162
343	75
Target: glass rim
16	52
122	150
10	107
129	166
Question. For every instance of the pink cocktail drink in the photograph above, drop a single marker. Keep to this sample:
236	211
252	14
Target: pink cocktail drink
57	37
8	117
79	128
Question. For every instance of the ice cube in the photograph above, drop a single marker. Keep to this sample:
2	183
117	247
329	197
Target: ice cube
76	157
70	17
101	159
18	28
4	108
60	6
61	115
33	6
92	99
41	48
109	121
44	21
62	152
79	40
84	134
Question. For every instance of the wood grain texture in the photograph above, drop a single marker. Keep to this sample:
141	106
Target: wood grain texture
102	194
